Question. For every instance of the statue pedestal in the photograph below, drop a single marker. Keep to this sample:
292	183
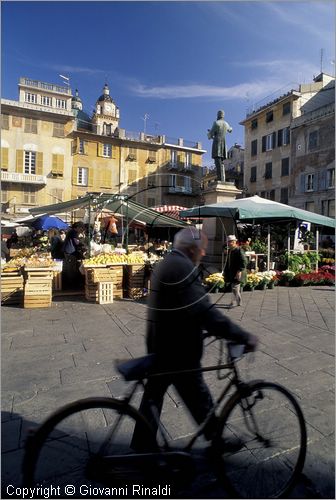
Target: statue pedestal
216	228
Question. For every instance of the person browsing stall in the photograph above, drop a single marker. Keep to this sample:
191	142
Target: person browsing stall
235	269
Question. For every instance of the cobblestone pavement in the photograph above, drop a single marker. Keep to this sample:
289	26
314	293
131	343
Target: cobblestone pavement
54	356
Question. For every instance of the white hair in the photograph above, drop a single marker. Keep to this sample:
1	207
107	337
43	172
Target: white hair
189	237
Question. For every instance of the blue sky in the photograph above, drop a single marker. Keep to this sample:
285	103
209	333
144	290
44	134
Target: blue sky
179	62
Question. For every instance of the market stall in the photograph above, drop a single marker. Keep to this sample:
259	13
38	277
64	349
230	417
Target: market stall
114	270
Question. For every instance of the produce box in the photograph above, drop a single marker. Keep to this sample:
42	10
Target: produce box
11	288
95	276
135	280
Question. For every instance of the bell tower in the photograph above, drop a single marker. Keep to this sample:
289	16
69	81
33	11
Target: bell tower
106	115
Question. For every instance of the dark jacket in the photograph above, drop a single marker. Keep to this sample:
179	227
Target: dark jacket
178	310
235	262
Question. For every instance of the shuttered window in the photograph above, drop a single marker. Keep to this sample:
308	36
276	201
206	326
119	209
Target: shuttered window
29	162
29	195
5	122
284	167
30	126
57	167
4	158
268	170
254	147
82	176
253	177
58	130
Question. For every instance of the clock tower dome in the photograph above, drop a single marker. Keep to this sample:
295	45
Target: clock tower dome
106	114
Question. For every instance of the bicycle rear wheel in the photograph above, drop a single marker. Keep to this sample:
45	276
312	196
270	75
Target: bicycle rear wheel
73	446
260	446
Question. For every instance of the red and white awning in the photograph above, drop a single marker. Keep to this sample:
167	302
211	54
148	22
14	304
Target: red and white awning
170	210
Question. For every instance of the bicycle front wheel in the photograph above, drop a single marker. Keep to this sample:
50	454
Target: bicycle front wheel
260	446
83	445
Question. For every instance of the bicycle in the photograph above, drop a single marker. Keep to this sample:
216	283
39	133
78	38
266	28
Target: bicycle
89	440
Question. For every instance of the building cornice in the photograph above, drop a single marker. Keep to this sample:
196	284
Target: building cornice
24	106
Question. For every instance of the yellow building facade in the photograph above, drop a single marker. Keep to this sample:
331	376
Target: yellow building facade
53	151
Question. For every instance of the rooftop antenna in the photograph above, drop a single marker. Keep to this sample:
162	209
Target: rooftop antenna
145	118
321	61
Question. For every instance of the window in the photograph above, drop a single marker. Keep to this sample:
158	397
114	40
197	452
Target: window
187	163
331	177
268	170
151	202
61	103
4	194
32	98
132	176
268	142
82	176
284	195
286	108
46	100
82	147
187	184
30	126
57	165
313	140
283	137
328	208
152	156
172	180
29	195
107	129
132	153
107	150
254	124
5	122
263	194
309	184
272	195
58	130
254	147
269	116
56	195
4	158
310	206
253	177
29	162
284	167
173	159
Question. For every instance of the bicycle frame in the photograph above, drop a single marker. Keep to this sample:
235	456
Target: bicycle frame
235	381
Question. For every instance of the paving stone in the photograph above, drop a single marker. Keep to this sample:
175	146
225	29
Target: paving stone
308	363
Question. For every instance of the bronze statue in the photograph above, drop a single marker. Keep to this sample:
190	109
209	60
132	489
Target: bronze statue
219	153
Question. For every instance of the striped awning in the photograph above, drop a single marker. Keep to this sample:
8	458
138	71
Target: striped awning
170	210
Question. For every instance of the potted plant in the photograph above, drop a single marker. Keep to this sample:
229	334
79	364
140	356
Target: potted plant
215	283
286	277
252	281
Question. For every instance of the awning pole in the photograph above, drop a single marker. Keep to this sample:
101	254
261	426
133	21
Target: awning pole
127	227
317	249
268	247
288	240
89	232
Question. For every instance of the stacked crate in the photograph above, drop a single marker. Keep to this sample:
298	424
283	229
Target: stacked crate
38	287
12	287
104	284
135	280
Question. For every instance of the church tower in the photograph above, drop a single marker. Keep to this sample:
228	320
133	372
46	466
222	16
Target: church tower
106	115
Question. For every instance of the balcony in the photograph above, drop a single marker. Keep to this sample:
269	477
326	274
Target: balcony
23	178
180	189
51	87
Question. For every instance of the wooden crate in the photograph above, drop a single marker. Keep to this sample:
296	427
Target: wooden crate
135	281
37	292
38	273
105	292
11	288
96	275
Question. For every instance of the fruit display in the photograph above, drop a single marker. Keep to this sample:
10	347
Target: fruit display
115	258
32	261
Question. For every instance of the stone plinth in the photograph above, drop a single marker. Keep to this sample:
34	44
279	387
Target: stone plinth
217	228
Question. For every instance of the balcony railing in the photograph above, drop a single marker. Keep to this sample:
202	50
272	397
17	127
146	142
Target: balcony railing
23	178
180	189
51	87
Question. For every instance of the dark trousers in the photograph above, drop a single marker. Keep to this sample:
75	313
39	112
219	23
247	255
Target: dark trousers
195	394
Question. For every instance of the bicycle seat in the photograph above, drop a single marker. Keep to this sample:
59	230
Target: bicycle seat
137	368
